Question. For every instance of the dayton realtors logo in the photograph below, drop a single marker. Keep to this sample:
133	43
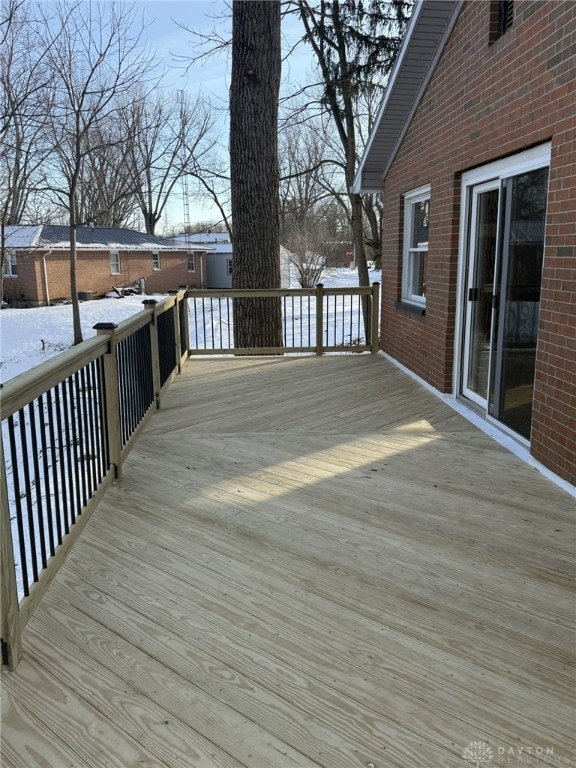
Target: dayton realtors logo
480	753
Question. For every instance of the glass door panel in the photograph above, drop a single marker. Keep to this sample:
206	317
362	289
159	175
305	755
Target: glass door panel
514	348
484	219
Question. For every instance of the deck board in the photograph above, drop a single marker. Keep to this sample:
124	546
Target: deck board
308	562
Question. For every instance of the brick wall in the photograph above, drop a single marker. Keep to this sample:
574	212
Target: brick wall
94	274
485	102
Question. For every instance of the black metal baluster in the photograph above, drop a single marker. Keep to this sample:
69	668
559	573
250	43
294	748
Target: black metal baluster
204	323
195	344
65	466
28	492
82	435
351	315
75	491
18	504
37	483
42	410
103	417
121	390
220	320
56	485
86	375
230	336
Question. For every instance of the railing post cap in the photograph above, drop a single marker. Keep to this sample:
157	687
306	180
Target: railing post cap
376	282
320	285
104	327
173	291
150	302
183	287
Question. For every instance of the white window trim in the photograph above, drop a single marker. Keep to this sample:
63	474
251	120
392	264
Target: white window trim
156	263
11	264
112	270
528	160
410	198
193	255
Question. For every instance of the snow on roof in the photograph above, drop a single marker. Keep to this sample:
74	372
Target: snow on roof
56	236
22	235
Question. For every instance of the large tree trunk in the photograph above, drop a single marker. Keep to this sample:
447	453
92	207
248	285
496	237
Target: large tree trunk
254	92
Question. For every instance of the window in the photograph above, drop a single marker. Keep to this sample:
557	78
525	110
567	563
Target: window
501	18
415	255
155	260
229	266
10	268
115	262
191	263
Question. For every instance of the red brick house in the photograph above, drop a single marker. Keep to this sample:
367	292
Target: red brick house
37	262
474	149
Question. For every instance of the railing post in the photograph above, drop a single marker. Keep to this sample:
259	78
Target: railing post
184	323
112	390
176	315
151	305
319	319
11	629
374	317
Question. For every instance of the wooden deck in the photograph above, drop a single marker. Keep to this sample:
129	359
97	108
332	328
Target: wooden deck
309	562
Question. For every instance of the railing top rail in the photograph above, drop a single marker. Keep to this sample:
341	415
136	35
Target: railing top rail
26	387
356	290
214	293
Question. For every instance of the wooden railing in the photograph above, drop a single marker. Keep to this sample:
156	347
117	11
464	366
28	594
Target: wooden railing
316	320
67	426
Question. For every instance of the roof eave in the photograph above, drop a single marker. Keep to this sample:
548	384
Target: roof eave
374	166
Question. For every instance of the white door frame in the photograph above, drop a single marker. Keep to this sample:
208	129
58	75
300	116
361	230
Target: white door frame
474	191
529	160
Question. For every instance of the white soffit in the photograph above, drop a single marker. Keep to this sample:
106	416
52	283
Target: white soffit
430	26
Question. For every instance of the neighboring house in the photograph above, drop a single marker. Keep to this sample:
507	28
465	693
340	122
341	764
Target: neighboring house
37	262
474	149
220	257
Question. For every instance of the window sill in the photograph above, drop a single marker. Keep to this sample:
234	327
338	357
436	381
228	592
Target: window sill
411	309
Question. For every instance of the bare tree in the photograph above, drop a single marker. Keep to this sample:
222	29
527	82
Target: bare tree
171	138
354	44
25	98
99	59
307	171
106	193
254	91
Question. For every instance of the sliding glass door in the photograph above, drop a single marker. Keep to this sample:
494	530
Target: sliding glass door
505	248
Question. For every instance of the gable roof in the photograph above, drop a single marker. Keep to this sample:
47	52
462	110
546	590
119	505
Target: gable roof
430	26
106	238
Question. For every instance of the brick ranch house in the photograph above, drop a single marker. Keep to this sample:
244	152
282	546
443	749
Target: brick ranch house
37	262
474	150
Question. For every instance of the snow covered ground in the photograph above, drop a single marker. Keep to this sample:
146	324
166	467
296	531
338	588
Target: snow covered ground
31	336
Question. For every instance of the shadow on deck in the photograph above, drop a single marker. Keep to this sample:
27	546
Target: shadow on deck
308	562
